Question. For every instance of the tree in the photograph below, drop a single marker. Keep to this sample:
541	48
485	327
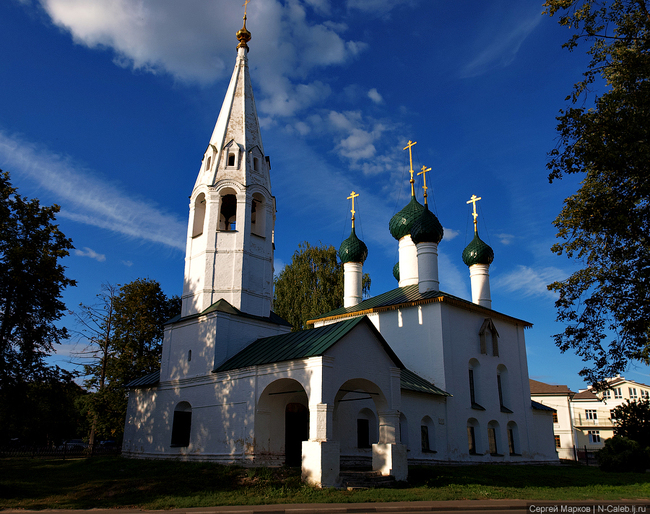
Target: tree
633	421
605	225
311	285
124	334
32	280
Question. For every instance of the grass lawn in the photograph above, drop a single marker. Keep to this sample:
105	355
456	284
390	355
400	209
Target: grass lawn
113	482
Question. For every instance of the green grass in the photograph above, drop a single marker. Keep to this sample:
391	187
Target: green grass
113	482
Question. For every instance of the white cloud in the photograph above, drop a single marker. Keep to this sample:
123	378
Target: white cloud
450	233
128	264
529	281
374	95
89	252
86	198
505	239
499	48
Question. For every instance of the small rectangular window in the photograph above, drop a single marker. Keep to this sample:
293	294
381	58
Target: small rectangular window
591	414
557	441
617	393
472	395
555	417
594	436
633	395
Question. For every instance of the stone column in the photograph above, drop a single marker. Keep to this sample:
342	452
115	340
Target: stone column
389	456
320	455
479	275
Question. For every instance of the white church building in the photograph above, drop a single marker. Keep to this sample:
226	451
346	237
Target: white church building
413	375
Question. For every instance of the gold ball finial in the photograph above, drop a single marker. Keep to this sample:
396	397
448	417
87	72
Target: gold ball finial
243	36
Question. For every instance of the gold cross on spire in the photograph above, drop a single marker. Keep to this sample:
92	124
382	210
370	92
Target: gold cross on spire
352	196
424	172
409	145
473	201
246	7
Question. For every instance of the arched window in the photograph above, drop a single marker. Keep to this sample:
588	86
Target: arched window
427	435
503	388
228	210
488	334
258	215
474	377
493	437
403	430
207	165
472	432
199	215
182	425
231	160
513	438
256	164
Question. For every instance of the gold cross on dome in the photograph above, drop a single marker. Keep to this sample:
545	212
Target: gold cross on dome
409	145
473	201
352	196
246	6
424	172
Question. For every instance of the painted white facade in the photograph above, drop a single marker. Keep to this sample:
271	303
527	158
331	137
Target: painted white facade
387	389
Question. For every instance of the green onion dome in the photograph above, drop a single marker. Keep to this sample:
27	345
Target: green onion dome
427	228
396	271
353	249
400	224
477	252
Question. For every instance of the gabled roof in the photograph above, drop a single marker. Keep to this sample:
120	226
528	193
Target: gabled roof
223	306
410	296
300	345
412	382
543	388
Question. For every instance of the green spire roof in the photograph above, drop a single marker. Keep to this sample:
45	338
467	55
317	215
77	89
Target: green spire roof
396	271
353	249
400	224
427	228
477	252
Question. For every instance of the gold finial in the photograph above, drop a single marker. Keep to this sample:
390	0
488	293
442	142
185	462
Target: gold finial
473	201
243	36
352	196
409	145
424	172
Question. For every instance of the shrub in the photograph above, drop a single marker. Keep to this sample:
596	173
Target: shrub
622	454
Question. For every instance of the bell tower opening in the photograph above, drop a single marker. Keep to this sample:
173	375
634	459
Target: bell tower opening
228	210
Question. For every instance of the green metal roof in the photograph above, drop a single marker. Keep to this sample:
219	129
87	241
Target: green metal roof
353	249
412	382
409	296
149	380
477	252
223	306
299	345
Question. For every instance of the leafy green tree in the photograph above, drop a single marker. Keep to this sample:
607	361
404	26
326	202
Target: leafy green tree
311	285
633	421
124	334
605	139
32	280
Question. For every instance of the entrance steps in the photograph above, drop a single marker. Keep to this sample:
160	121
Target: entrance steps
352	480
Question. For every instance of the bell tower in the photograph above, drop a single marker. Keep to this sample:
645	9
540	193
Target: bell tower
229	251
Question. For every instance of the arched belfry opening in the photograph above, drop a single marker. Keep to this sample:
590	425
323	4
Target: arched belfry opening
228	210
199	215
258	215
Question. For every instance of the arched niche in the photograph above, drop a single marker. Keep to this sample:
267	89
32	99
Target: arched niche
199	215
181	425
258	215
228	209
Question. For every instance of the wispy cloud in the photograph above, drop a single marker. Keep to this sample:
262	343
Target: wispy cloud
529	281
502	47
374	95
505	239
87	198
450	233
89	252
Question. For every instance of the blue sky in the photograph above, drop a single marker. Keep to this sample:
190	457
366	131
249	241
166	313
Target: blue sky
107	107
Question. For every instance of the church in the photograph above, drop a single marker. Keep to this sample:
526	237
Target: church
413	375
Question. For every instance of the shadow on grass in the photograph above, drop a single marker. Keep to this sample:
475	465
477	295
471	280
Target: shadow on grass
111	482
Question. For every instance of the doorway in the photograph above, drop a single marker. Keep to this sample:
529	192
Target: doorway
296	430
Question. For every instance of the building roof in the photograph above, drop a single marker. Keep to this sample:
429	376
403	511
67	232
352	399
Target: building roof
149	380
538	406
300	345
477	252
413	382
223	306
543	388
410	296
353	249
586	395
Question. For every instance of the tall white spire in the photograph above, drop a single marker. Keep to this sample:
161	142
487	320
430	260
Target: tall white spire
229	251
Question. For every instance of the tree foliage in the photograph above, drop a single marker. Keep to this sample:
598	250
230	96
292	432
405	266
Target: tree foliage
604	138
32	280
633	421
124	334
310	285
